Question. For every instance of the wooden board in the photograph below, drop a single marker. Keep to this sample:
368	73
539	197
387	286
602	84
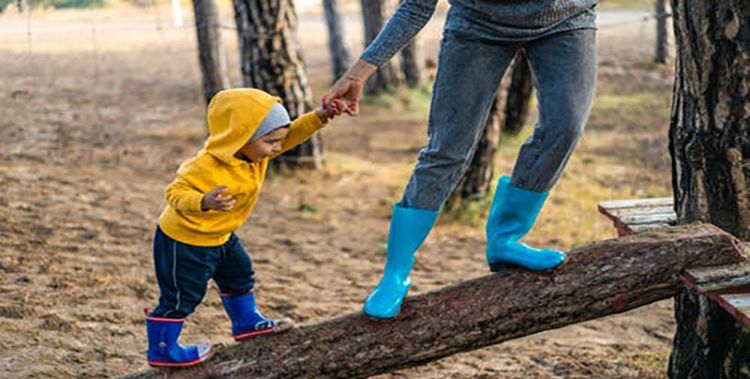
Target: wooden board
729	286
638	215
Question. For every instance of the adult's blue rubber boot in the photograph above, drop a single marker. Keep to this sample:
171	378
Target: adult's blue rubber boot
409	228
513	213
247	321
163	348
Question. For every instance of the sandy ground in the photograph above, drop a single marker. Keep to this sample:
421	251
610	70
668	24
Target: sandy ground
97	109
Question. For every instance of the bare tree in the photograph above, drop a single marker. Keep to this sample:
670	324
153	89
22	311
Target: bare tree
709	141
210	48
271	60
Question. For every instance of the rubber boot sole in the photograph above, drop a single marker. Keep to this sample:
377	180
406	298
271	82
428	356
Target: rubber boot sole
163	364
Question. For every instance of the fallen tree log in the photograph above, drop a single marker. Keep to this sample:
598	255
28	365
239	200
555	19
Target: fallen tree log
601	279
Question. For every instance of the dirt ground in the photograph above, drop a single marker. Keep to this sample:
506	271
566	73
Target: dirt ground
97	109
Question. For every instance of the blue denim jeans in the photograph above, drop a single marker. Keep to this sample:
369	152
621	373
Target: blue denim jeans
469	72
183	272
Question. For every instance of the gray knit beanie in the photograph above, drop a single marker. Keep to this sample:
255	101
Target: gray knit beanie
276	118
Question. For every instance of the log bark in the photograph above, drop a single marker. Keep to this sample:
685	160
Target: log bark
271	60
709	136
374	15
605	278
210	48
337	45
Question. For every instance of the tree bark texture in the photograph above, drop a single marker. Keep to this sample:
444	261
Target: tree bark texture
601	279
710	126
210	48
374	14
339	48
711	343
519	94
710	147
271	60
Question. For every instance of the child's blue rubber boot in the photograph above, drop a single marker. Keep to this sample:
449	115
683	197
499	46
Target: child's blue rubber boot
163	348
409	228
513	213
247	322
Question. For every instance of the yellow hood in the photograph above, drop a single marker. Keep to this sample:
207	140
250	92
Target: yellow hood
233	117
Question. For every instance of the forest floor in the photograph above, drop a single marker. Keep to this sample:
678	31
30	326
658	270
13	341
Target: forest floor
97	109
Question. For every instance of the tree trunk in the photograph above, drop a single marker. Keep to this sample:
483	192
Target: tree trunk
519	94
477	180
709	136
412	62
661	53
340	56
374	14
210	48
605	278
271	60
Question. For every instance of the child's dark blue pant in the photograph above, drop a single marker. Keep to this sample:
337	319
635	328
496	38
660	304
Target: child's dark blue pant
183	272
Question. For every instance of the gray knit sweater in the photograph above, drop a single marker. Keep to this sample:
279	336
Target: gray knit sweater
495	21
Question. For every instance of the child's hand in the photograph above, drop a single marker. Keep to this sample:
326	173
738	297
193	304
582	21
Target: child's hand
216	201
330	111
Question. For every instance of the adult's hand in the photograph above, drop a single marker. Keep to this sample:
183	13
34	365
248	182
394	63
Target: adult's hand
349	87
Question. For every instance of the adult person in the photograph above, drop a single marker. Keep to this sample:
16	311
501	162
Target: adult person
481	37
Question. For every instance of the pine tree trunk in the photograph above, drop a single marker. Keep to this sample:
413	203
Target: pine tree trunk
412	62
210	48
374	14
477	180
661	53
271	60
519	94
340	56
709	136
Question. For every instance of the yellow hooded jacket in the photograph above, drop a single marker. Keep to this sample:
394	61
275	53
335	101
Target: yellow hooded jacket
233	117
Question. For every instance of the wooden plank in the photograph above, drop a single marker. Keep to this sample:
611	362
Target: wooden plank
720	279
638	215
729	286
638	203
641	219
647	228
